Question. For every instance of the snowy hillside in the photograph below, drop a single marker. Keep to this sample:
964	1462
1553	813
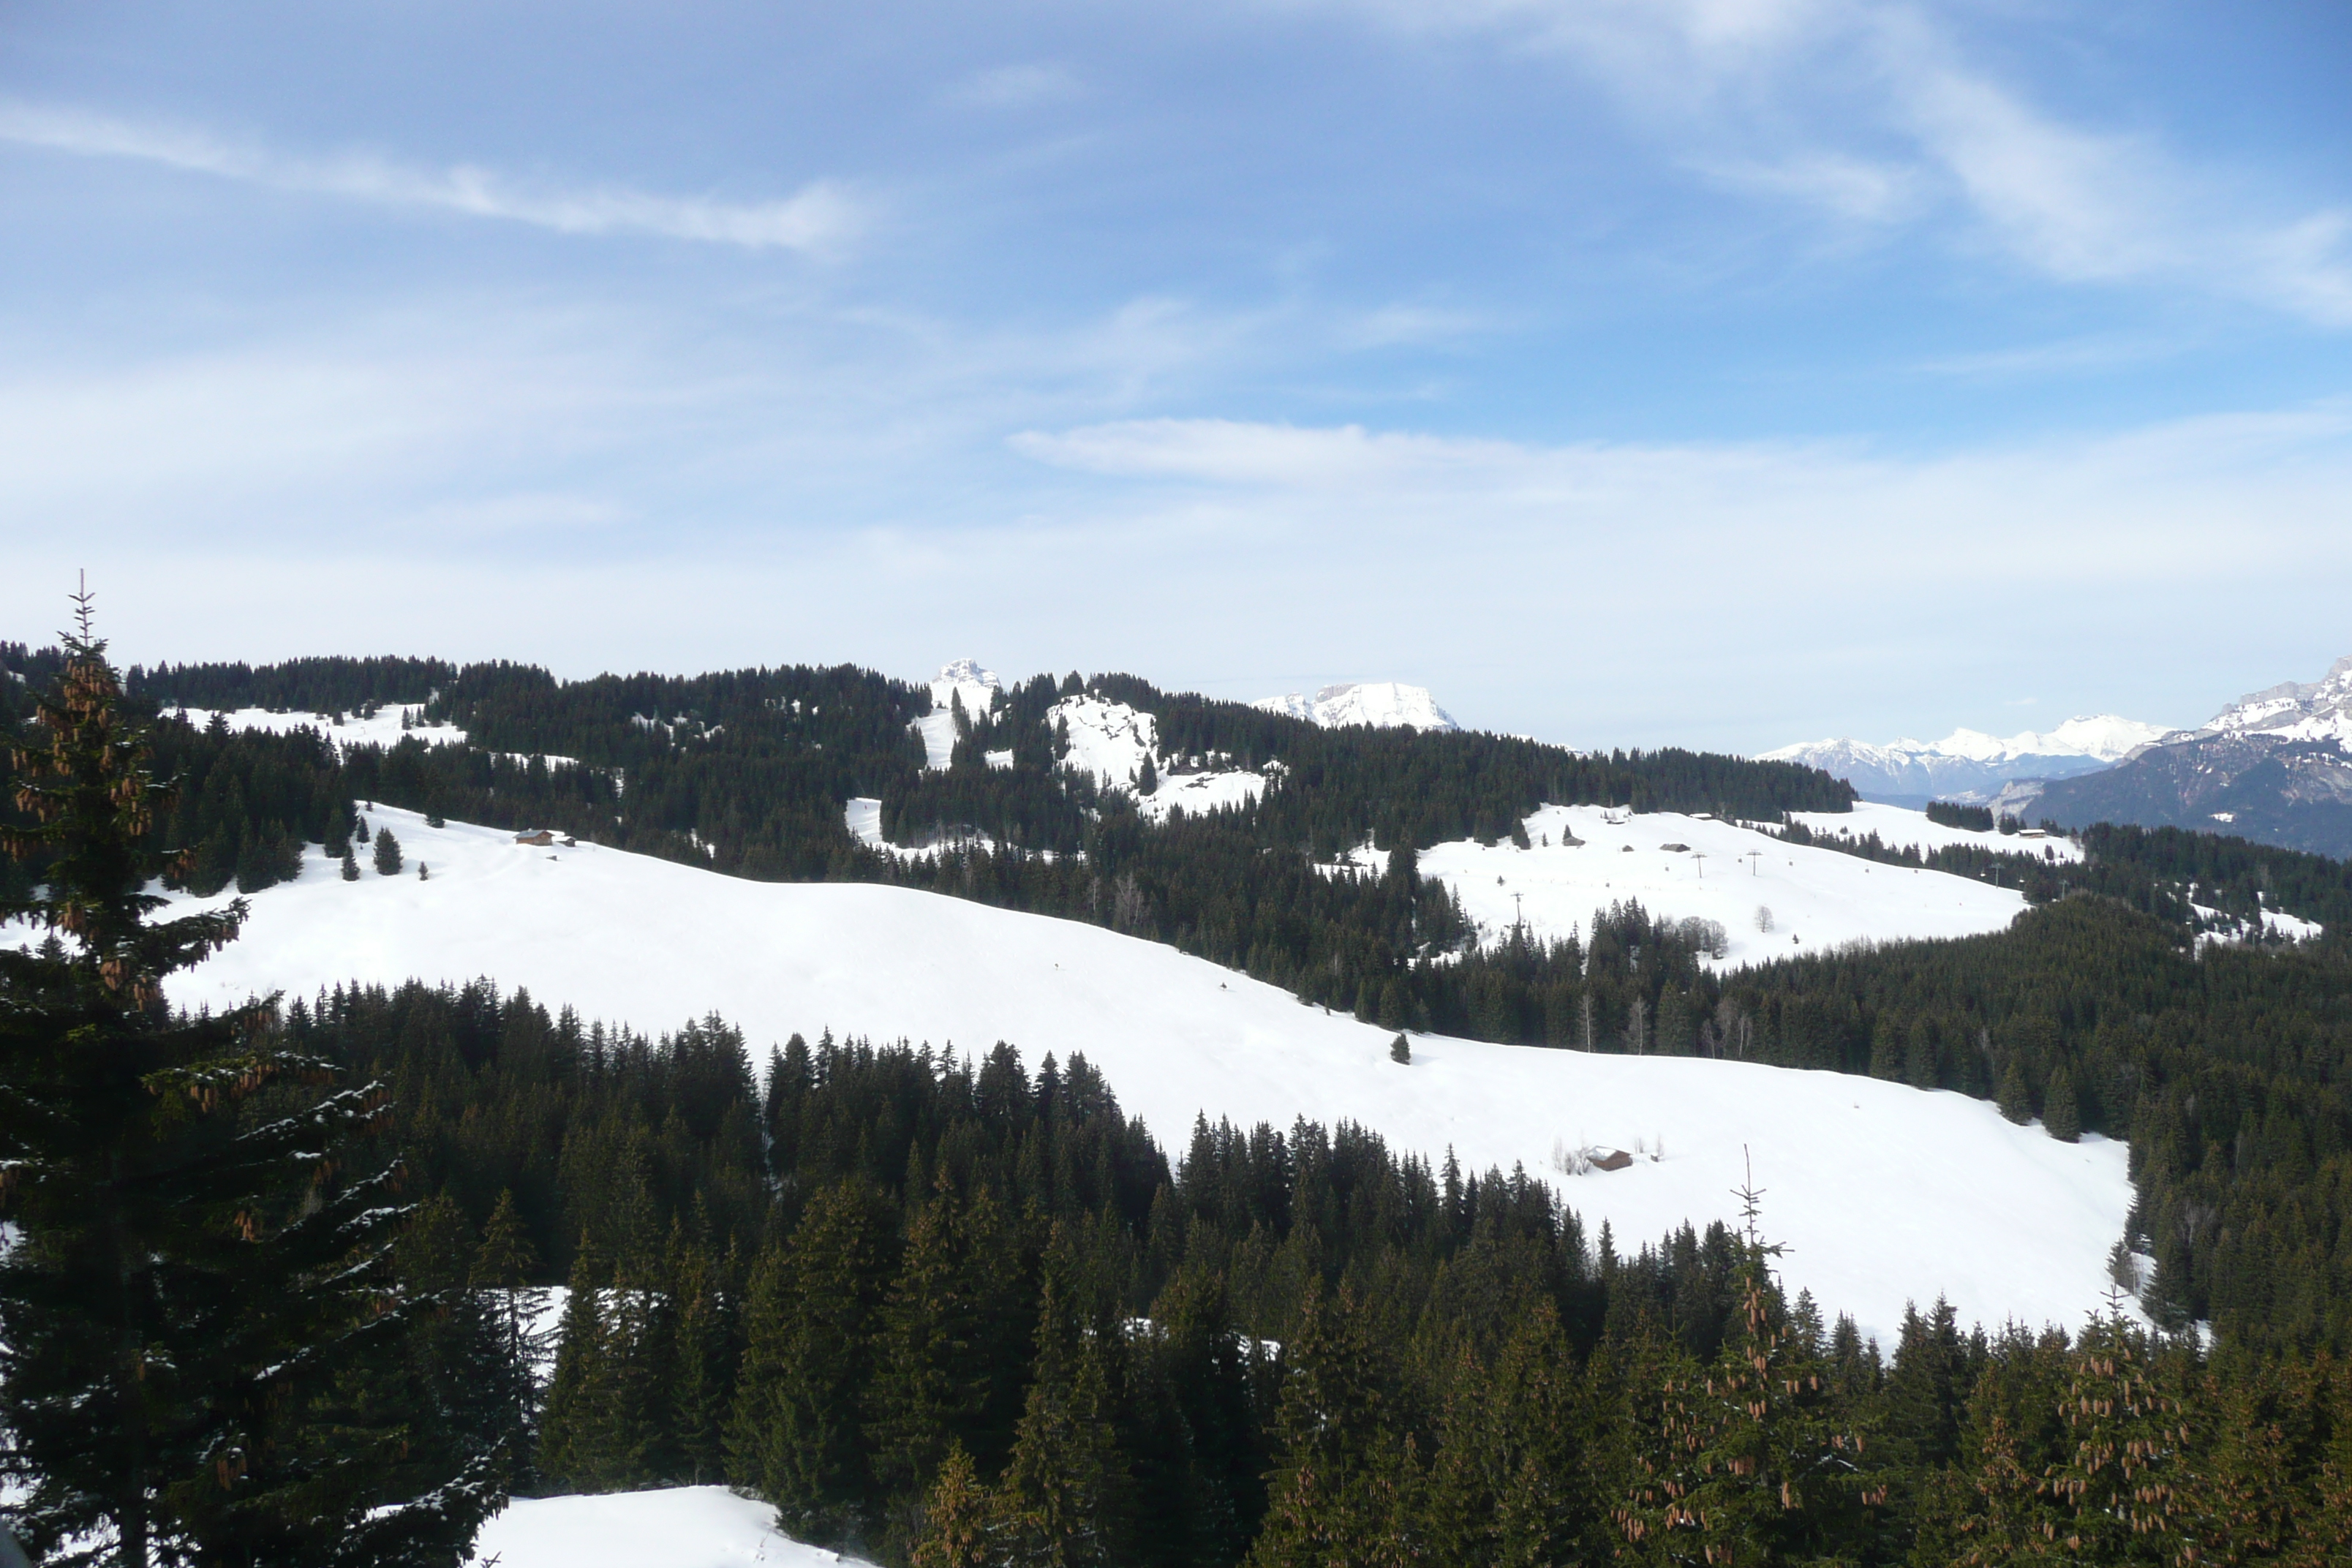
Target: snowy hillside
1969	764
675	1527
1862	1172
1111	741
1690	867
961	681
385	729
1898	828
1383	704
1108	739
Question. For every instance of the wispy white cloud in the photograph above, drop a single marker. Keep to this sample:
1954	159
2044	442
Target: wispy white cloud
820	218
1402	323
2078	355
1876	114
1863	190
2147	504
492	484
1018	86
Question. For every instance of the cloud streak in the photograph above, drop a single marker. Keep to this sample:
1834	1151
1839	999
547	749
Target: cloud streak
820	219
1876	116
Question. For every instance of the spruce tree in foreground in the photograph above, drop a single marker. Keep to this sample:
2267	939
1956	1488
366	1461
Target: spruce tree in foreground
204	1333
387	852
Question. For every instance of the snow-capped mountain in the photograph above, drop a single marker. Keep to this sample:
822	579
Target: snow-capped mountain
1382	704
1969	764
2291	710
2275	765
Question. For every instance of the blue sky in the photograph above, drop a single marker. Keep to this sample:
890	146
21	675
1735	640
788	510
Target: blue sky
1722	372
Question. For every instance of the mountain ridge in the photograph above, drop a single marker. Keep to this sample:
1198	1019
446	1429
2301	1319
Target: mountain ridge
1382	704
2273	766
1970	765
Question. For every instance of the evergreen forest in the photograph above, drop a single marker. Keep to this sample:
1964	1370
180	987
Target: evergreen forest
953	1310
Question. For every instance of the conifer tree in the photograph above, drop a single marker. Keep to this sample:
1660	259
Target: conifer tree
2060	1116
809	1326
350	870
2126	1482
2005	1514
501	1271
196	1309
2257	1449
387	852
2015	1097
1510	1483
701	1363
1055	1507
959	1518
1339	1487
568	1436
1746	1463
944	1336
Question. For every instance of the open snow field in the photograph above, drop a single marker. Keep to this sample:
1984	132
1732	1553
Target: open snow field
1818	897
1885	1194
673	1527
1898	828
385	729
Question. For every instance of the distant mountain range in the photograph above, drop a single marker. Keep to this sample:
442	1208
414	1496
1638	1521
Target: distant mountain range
2272	766
1969	765
1382	704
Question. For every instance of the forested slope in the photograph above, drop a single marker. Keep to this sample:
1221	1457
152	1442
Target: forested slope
916	1302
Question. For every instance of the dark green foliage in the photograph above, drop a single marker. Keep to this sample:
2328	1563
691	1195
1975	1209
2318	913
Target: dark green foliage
983	1321
810	1322
1400	1050
387	852
1951	814
325	686
213	1352
1340	1490
2016	1096
2061	1117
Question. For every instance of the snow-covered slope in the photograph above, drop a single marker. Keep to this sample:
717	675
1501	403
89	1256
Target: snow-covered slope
1898	828
1108	739
1969	764
673	1527
1865	1177
1383	704
965	681
1724	872
385	728
1111	740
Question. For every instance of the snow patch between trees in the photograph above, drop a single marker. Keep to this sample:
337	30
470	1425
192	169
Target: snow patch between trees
676	1527
1772	899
